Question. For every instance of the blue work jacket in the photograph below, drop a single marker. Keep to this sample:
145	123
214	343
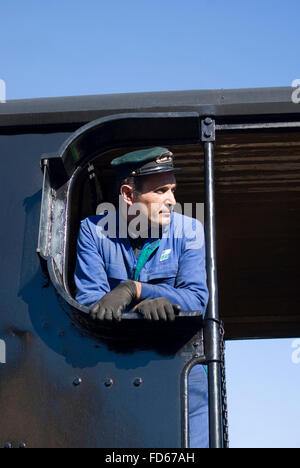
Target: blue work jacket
175	270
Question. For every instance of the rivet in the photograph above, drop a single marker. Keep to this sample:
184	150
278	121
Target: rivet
207	134
77	381
108	382
138	381
22	445
208	121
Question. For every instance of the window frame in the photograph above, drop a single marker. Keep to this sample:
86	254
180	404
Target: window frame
60	172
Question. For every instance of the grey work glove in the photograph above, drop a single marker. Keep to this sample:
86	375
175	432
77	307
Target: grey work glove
111	306
158	309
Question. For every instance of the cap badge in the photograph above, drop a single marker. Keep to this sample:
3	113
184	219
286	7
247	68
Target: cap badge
165	158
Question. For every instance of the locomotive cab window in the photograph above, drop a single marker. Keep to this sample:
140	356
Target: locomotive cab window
80	179
66	204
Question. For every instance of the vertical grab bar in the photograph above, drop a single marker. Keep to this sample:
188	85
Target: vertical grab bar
212	322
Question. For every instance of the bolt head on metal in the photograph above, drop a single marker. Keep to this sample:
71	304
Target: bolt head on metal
138	381
108	382
77	381
208	121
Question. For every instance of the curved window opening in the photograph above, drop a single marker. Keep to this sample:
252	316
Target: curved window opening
80	178
95	184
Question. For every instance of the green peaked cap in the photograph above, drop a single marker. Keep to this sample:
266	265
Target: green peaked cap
143	162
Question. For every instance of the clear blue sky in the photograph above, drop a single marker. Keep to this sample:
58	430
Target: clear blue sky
74	47
64	47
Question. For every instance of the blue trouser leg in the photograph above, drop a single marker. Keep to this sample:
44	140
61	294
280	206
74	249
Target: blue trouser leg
198	408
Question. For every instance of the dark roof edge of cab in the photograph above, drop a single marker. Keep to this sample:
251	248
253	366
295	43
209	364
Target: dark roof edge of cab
78	110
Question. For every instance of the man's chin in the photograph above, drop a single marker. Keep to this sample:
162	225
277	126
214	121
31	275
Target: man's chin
164	219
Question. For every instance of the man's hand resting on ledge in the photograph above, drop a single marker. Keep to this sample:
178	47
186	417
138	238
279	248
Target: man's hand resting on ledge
111	306
158	309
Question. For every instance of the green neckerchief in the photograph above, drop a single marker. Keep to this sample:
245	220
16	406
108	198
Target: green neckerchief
144	255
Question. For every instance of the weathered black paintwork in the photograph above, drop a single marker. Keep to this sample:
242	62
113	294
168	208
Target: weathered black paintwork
62	386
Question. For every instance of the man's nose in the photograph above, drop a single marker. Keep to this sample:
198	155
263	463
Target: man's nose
170	200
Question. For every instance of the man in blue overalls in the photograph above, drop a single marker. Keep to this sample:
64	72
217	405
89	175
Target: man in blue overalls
155	266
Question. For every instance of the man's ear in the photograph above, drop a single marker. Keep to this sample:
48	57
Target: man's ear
127	193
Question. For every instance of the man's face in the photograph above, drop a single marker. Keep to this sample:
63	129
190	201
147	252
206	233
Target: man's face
157	197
